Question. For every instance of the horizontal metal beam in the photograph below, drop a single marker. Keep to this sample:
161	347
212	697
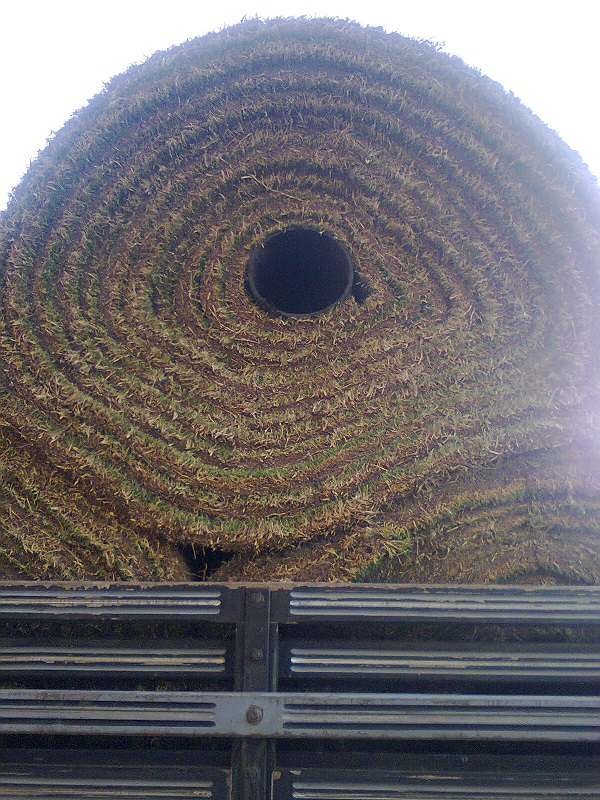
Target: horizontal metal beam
92	600
506	663
97	657
484	604
441	716
545	605
42	775
326	784
303	715
135	787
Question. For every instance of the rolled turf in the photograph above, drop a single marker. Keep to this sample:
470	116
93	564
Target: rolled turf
419	402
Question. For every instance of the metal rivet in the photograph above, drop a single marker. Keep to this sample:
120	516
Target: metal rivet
257	599
257	654
254	715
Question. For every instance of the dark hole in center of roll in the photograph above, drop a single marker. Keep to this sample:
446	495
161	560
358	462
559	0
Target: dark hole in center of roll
299	272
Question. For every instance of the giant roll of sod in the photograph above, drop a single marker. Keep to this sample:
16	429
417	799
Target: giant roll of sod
301	300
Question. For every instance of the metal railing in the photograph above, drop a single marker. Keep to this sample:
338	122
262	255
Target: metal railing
291	690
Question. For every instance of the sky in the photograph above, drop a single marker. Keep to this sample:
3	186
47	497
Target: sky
57	54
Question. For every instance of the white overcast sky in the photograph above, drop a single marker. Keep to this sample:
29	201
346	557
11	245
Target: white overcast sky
56	54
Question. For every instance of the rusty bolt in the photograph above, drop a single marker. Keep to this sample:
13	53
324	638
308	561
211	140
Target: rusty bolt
254	715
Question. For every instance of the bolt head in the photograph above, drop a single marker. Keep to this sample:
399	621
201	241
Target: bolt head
256	654
257	599
254	715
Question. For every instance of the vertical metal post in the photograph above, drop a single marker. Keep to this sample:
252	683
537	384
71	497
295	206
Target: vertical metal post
251	757
257	641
